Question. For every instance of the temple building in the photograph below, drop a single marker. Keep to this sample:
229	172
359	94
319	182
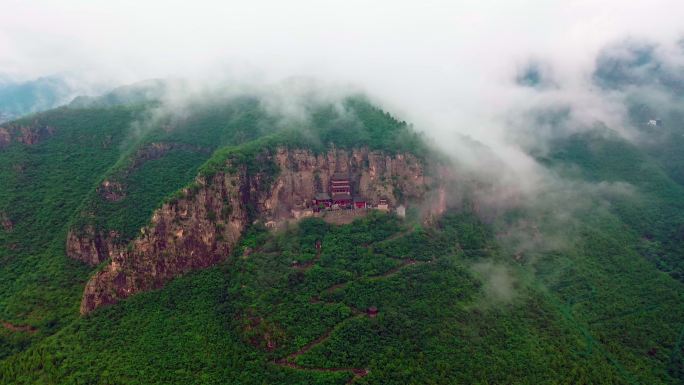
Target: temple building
383	204
322	200
340	196
340	190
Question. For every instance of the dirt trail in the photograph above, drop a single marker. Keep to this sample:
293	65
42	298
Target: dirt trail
397	235
357	373
317	341
19	328
395	270
390	272
337	286
289	361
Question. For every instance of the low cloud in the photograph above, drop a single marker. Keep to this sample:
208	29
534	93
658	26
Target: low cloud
492	84
499	284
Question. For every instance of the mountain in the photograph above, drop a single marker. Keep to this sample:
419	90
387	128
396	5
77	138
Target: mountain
152	243
18	98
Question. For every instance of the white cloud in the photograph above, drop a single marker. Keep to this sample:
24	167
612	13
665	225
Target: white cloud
445	65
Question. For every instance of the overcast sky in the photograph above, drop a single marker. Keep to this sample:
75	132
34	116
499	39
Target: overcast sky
445	65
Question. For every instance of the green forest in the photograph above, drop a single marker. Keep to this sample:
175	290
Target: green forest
455	303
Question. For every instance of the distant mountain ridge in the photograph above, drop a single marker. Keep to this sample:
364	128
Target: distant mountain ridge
25	97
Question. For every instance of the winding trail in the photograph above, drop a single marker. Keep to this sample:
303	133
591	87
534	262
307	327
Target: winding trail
357	373
289	360
397	235
395	270
18	328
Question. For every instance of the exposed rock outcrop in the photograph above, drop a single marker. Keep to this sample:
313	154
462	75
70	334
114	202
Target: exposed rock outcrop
112	191
203	226
192	233
157	150
5	137
6	222
92	247
28	135
373	175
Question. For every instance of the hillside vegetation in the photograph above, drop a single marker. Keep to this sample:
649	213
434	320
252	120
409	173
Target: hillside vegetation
55	185
455	303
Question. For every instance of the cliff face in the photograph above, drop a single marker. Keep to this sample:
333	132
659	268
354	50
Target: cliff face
5	137
24	134
192	233
92	247
373	175
204	225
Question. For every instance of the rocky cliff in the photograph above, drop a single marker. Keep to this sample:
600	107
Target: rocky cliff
26	134
91	246
373	175
6	222
203	226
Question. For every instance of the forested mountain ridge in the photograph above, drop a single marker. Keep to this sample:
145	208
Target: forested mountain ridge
18	98
131	189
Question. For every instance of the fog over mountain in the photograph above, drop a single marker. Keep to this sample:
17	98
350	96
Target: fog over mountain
517	166
512	77
448	67
491	84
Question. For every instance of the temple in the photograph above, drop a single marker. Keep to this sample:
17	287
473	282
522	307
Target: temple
340	190
340	195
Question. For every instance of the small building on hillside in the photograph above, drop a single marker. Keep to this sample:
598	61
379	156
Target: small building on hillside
340	184
322	200
342	199
655	122
401	211
372	311
339	195
383	204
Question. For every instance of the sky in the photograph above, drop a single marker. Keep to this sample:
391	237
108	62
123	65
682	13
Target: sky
447	66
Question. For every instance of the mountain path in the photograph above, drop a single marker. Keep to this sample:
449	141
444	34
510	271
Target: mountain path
357	373
18	328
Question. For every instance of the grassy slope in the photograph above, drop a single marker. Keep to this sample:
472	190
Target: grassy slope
45	185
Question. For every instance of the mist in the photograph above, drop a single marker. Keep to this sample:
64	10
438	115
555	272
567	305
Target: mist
489	82
448	67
